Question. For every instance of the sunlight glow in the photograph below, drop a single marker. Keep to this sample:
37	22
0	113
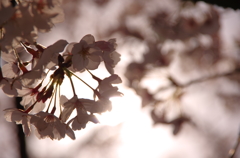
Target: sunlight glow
123	109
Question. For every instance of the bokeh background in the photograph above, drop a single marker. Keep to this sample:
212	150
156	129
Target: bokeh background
180	71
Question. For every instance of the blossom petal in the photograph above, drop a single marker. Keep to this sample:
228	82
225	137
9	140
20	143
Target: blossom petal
89	39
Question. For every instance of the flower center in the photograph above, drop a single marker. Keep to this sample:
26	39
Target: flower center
50	118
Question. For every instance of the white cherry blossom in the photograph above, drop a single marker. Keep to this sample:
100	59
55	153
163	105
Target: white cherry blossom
20	117
106	89
26	78
109	54
48	125
49	57
85	55
78	104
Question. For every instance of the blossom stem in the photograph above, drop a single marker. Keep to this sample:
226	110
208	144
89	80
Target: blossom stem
20	64
59	98
94	77
50	101
55	99
79	79
70	121
73	88
30	108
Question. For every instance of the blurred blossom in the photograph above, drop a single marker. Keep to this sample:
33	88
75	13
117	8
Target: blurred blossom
179	66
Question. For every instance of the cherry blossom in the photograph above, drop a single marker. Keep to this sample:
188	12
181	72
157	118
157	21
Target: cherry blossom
28	64
9	87
106	89
100	106
29	98
48	125
49	57
10	69
82	116
39	15
109	55
85	55
20	117
79	122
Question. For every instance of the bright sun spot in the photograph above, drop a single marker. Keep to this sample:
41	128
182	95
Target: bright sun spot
123	108
137	131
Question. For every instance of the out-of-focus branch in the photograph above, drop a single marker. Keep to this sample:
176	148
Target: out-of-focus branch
237	70
176	84
21	136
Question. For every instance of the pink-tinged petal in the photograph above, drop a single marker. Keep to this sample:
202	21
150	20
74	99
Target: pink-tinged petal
106	104
90	105
46	132
95	58
24	91
93	119
39	106
8	57
10	70
27	101
38	122
78	124
110	60
89	39
8	89
63	99
109	68
104	46
98	107
49	54
66	113
113	79
79	62
26	126
113	42
70	102
112	93
92	65
48	125
8	114
68	49
32	77
77	48
115	56
59	130
94	50
118	80
70	132
15	115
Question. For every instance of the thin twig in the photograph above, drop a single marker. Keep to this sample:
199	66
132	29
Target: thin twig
237	70
176	84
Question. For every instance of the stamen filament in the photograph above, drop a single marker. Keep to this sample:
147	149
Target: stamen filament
30	107
79	78
55	99
73	88
59	98
50	101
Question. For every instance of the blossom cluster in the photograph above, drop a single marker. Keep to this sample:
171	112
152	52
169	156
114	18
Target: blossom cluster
41	97
21	20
